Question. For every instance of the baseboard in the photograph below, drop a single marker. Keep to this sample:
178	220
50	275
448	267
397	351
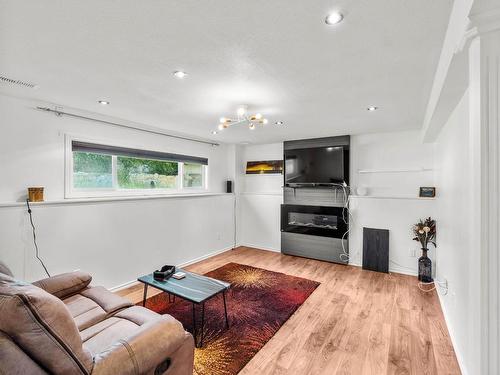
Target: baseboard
206	256
402	270
460	358
261	247
184	264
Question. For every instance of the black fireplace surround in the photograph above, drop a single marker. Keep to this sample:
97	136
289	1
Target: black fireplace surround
313	220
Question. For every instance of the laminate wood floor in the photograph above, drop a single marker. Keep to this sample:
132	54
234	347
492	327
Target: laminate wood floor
356	322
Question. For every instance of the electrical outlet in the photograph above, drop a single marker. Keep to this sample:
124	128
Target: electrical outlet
219	236
443	286
413	253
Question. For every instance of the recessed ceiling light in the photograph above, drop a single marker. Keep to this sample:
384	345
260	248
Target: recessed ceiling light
180	74
334	18
279	123
372	108
103	102
251	127
214	132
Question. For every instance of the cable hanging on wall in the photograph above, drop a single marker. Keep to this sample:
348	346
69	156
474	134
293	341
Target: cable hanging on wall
33	229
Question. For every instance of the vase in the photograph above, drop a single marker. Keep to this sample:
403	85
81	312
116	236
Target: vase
425	268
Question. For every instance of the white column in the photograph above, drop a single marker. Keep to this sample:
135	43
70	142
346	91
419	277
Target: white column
484	65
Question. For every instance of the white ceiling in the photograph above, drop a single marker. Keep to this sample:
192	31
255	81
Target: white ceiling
276	56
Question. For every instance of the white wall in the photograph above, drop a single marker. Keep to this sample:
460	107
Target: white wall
259	199
393	160
392	202
396	215
32	148
457	248
385	156
115	241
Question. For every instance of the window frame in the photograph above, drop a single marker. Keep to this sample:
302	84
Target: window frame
71	192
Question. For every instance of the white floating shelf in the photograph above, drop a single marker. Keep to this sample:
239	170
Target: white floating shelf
395	170
391	197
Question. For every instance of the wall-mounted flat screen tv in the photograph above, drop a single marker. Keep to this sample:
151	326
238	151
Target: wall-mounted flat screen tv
321	165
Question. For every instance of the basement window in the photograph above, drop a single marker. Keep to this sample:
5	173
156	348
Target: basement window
95	170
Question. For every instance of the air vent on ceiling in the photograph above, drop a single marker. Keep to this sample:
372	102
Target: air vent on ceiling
18	82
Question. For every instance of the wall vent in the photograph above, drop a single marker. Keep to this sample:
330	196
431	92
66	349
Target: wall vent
18	82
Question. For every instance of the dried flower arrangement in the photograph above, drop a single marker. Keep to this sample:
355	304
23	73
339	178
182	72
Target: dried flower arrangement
425	232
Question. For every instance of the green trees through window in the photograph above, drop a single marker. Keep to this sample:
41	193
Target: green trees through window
92	170
134	173
114	172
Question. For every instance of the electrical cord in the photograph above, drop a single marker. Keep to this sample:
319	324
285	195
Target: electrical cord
37	253
345	255
435	283
235	219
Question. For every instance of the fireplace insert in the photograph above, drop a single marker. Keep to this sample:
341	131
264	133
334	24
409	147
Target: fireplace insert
313	220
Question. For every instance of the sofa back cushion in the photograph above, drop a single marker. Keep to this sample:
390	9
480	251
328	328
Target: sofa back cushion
4	269
40	324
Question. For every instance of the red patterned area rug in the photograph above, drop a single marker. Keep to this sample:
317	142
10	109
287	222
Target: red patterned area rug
259	302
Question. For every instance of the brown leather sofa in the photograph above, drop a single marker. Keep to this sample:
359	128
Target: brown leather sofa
61	325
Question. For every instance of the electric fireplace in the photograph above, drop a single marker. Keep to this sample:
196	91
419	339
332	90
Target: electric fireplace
313	220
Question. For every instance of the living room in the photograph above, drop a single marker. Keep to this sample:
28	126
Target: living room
249	187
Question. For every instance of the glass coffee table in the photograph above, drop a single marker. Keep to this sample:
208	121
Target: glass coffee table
193	288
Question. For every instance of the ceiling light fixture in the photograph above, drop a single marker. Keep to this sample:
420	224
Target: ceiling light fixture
214	132
180	74
371	108
242	118
241	111
334	18
279	123
103	102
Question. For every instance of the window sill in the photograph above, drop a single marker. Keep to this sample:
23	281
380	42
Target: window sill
112	199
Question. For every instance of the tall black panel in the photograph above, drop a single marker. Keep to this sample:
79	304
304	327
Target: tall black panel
376	249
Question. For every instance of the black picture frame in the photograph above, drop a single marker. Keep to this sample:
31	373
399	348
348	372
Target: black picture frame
427	192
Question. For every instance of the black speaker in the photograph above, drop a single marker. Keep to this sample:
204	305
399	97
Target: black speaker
376	249
229	186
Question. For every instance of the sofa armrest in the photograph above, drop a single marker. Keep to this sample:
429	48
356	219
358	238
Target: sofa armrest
153	347
65	284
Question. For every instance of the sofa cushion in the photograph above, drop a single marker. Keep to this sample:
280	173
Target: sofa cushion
41	325
65	284
4	269
84	311
93	305
103	335
14	361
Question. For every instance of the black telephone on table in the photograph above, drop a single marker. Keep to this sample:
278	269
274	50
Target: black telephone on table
164	273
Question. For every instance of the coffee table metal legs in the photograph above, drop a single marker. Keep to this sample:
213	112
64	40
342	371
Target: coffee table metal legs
202	323
194	327
171	298
144	295
225	308
199	343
